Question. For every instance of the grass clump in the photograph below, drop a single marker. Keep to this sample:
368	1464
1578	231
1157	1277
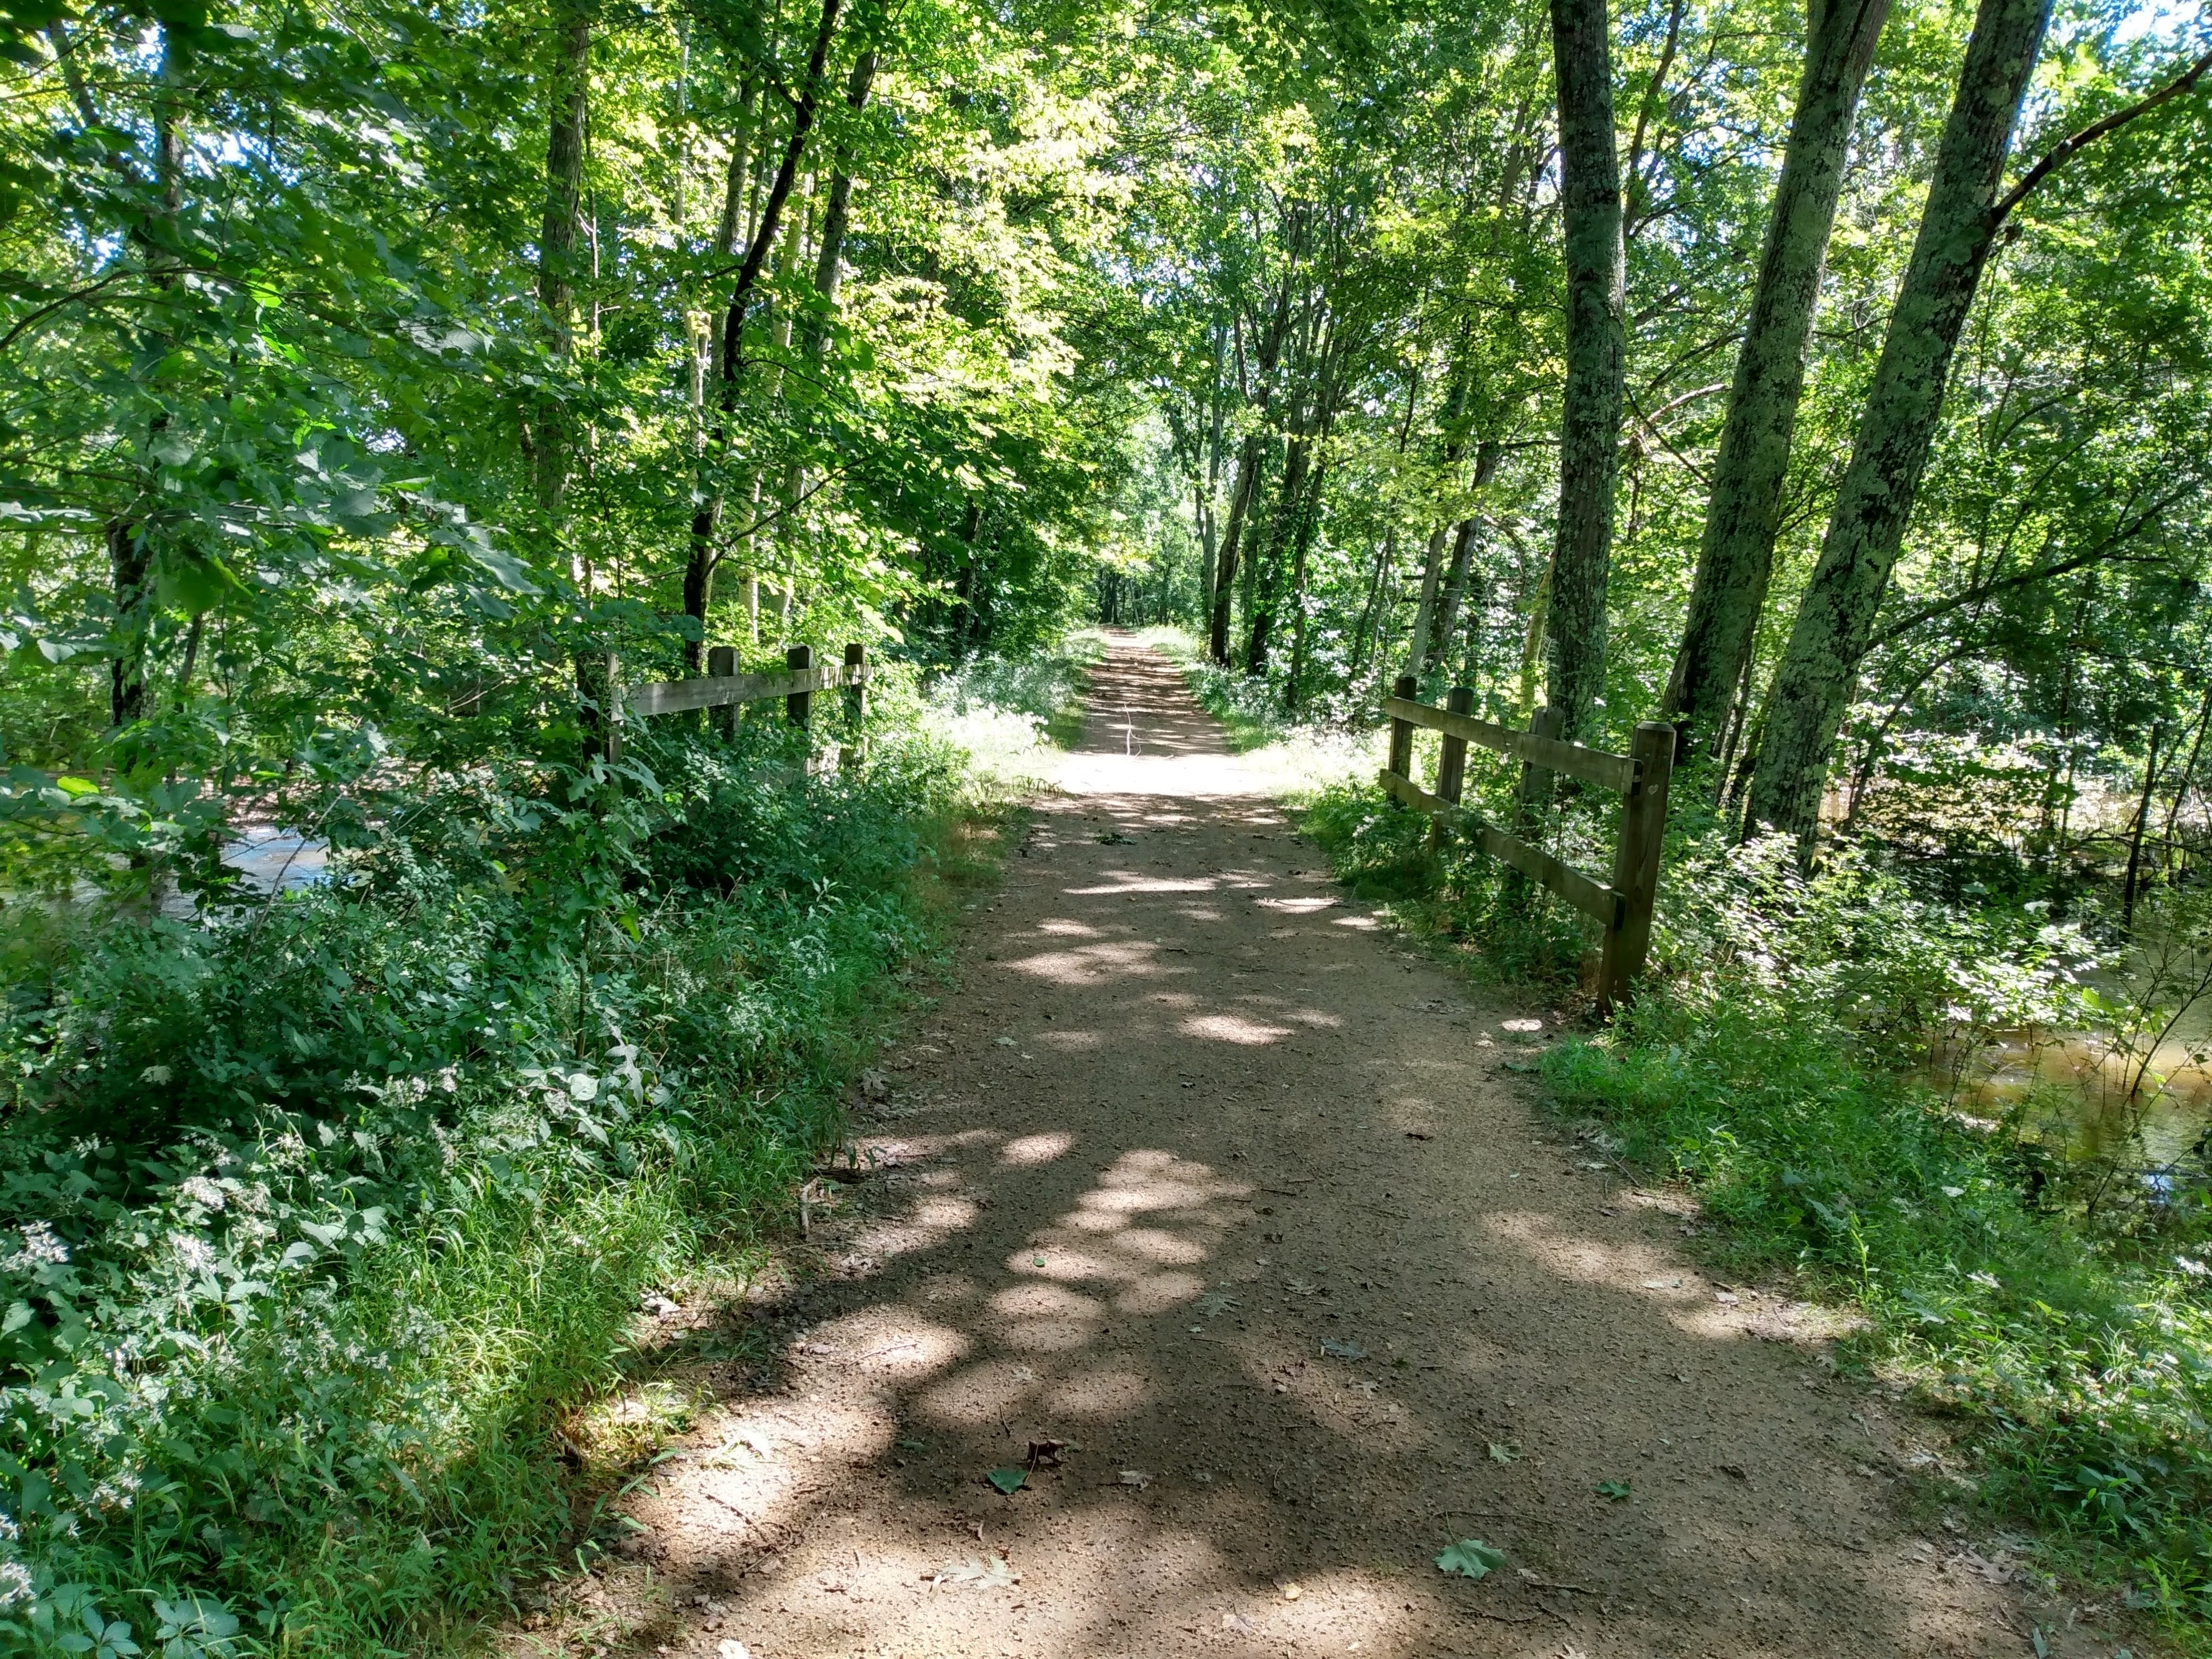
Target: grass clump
1778	1065
321	1218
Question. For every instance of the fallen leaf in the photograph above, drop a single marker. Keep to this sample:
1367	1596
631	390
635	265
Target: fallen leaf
1214	1303
1333	1349
1292	1590
993	1573
1518	1066
1009	1480
1238	1622
1521	1024
1045	1453
1004	1042
734	1650
1470	1559
1505	1451
1137	1477
1613	1491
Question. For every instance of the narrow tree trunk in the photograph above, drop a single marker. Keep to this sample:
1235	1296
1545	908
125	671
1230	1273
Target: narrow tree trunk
1370	613
1487	455
1835	620
1240	501
1250	464
2136	838
1463	540
1590	426
699	572
1269	572
829	264
1425	608
1743	509
556	241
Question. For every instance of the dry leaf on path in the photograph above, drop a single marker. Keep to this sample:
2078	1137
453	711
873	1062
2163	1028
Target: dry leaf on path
993	1573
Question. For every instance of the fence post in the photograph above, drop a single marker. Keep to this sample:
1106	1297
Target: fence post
1451	761
722	663
1635	865
856	708
798	706
1402	731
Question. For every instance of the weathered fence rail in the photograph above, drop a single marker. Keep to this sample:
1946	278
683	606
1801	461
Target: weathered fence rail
1621	907
723	688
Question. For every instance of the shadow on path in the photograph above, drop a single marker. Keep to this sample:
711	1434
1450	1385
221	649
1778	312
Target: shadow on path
1201	1175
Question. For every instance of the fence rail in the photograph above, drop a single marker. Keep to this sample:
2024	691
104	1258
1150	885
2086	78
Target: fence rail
723	688
1622	907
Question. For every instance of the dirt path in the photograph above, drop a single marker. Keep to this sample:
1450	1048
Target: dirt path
1202	1174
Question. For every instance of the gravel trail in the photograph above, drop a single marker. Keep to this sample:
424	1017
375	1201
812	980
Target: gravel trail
1226	1223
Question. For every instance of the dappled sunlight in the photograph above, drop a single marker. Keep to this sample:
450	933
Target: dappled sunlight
1026	1150
1093	964
1232	1028
1262	1293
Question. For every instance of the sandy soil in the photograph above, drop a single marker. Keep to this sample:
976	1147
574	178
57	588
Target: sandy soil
1225	1221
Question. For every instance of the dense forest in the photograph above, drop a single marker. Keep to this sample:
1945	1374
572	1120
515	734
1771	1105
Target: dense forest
386	388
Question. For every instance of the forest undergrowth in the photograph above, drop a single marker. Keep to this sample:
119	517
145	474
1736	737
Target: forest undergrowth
338	1210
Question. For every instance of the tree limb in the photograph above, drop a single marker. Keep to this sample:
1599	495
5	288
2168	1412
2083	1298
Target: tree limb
2072	145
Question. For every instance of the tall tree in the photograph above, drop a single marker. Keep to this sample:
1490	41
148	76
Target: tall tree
1835	620
1589	423
1743	506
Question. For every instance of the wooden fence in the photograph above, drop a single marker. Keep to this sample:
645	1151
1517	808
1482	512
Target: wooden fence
1621	907
722	688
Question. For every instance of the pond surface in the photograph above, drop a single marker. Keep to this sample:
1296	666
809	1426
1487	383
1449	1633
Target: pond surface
2074	1088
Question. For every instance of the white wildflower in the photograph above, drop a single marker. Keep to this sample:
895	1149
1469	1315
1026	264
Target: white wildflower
40	1249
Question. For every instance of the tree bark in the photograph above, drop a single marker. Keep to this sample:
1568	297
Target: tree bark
1743	509
1835	619
1590	426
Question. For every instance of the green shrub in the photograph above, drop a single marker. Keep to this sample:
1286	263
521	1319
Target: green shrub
316	1217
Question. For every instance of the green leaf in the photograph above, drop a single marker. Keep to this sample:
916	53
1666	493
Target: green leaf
1613	1490
1470	1559
1505	1451
1009	1480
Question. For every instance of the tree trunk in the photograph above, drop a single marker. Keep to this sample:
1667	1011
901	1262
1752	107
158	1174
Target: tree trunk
699	571
1835	619
1240	501
1487	455
829	265
1589	426
556	240
1743	509
1370	612
1249	465
1425	608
